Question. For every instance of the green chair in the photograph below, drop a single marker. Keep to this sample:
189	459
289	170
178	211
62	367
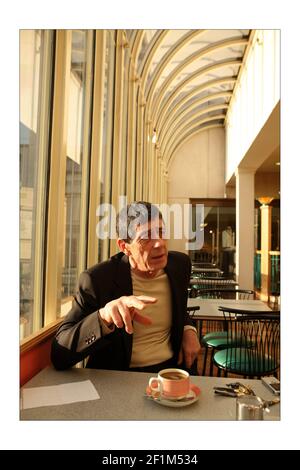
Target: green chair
256	353
216	337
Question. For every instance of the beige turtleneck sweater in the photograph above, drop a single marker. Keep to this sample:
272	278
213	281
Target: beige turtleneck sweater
151	343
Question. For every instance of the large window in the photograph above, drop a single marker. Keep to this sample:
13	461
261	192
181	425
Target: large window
36	54
58	153
126	70
107	132
219	234
78	153
275	225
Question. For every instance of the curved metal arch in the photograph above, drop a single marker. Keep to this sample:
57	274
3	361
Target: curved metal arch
156	40
176	129
179	45
130	40
190	123
202	121
166	130
136	45
192	77
189	95
187	136
182	42
197	55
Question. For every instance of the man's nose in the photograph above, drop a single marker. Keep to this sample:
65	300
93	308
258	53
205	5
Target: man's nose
158	242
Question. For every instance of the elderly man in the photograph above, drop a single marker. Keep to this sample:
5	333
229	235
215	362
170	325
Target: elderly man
107	322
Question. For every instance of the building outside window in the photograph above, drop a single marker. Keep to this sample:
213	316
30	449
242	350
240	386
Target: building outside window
36	62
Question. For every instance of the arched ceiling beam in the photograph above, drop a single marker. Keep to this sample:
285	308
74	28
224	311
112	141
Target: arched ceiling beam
167	128
171	136
191	125
188	136
182	42
221	64
193	57
137	45
157	40
187	97
186	125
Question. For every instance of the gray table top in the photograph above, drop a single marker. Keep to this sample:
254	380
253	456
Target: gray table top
209	308
122	398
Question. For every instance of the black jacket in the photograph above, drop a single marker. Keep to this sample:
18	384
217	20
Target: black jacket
79	335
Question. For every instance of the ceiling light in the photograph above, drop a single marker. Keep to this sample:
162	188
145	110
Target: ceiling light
154	137
265	201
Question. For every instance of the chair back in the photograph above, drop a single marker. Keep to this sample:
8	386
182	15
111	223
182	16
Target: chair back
198	284
206	273
191	310
255	339
226	293
203	265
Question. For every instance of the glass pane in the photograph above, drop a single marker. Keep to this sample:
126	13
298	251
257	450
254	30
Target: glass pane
210	232
130	33
147	36
125	121
107	137
219	238
275	239
35	88
257	229
226	241
74	166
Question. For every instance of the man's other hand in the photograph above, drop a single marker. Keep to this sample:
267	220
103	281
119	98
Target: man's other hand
190	348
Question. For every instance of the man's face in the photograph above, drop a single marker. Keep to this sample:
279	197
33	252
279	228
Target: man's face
149	249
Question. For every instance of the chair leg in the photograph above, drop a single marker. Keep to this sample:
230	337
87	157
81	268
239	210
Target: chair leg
219	372
204	361
200	328
211	362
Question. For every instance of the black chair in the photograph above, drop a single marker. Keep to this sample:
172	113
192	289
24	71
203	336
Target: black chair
224	292
215	337
203	265
191	312
254	339
198	284
206	274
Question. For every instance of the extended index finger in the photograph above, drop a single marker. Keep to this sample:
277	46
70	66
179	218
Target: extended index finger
140	301
147	299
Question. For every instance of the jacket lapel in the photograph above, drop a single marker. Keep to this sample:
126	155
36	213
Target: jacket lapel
123	283
176	289
123	286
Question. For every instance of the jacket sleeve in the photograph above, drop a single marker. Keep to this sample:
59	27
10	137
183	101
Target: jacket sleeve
80	333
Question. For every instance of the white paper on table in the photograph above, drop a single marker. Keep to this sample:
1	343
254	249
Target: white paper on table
58	394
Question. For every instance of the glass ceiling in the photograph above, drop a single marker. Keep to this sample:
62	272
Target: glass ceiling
186	67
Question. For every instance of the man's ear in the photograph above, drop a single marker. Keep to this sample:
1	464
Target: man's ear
123	246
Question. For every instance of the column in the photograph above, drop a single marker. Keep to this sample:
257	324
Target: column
245	227
266	221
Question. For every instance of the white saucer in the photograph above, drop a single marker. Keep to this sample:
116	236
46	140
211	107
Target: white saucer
190	398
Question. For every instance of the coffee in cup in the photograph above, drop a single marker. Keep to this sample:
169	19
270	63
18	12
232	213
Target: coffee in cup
170	383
